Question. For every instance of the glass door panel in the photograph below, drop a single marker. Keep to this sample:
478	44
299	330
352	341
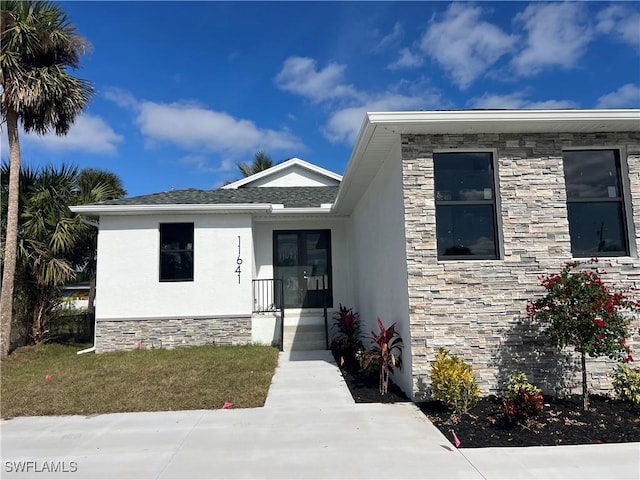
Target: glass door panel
303	261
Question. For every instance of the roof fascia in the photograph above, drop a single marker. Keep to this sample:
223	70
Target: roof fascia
502	118
97	210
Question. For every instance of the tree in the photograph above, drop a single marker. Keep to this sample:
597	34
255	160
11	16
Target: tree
54	244
38	44
47	236
580	311
261	161
94	186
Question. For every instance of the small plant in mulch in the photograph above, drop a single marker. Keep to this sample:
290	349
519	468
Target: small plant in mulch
522	401
453	382
580	311
346	342
626	383
386	353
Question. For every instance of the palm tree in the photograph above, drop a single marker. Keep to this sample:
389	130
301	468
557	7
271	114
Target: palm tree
47	235
261	161
94	186
54	244
38	44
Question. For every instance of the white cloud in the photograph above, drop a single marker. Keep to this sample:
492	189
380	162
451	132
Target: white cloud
201	130
390	39
517	100
627	96
463	44
300	75
557	36
195	127
89	133
344	124
621	21
120	97
407	60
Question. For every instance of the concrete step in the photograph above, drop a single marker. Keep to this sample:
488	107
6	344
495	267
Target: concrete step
304	337
296	317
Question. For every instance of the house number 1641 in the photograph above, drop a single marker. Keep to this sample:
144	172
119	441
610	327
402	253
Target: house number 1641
238	261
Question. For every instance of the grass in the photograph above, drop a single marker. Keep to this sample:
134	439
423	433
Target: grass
142	380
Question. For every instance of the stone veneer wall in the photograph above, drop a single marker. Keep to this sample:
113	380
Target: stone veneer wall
168	333
476	308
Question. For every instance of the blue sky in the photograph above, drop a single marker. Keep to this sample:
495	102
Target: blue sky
184	90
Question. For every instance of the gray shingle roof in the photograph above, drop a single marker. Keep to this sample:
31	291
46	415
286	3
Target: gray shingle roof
291	197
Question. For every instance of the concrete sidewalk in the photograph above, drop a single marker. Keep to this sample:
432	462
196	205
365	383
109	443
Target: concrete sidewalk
309	428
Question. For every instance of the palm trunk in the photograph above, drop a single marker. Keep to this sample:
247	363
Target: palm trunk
585	391
11	240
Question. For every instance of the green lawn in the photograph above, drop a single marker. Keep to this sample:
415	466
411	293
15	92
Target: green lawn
142	380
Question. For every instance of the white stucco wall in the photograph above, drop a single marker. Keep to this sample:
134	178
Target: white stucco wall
379	261
295	176
128	283
263	260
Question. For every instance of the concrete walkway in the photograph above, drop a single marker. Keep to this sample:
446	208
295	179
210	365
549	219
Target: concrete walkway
309	428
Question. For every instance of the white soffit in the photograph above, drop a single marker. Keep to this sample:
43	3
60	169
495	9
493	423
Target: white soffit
507	121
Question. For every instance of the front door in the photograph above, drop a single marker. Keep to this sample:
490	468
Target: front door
302	259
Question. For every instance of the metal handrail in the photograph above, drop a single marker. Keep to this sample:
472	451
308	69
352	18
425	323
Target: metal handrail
268	297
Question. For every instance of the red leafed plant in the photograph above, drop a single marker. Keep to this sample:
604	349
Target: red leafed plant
522	400
580	311
346	340
386	353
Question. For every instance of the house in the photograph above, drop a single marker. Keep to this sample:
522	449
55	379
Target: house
75	296
442	223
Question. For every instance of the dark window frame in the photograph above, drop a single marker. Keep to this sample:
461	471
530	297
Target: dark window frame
620	199
493	203
163	276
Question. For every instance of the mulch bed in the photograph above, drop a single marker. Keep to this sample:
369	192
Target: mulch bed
562	421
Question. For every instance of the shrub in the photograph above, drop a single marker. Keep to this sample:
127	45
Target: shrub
580	311
382	353
347	338
522	401
453	382
626	383
365	366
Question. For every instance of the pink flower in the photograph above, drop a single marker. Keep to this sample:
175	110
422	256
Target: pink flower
48	377
600	323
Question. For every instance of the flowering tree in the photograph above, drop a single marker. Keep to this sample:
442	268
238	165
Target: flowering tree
580	311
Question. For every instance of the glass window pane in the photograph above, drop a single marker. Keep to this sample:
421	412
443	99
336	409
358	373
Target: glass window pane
286	249
592	174
176	236
597	228
463	176
176	251
465	230
176	266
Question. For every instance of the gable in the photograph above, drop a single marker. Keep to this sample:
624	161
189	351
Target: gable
294	172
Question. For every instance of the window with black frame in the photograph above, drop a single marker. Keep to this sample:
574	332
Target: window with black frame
176	252
595	203
465	206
